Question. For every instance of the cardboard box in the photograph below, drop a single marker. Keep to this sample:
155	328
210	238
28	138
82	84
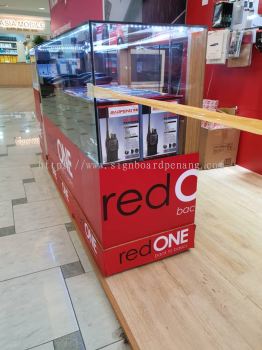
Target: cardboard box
160	133
218	147
119	131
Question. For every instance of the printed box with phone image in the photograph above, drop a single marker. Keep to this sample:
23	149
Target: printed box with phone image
119	132
160	133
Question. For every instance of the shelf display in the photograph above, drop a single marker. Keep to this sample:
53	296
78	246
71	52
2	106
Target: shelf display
134	58
119	130
99	151
8	51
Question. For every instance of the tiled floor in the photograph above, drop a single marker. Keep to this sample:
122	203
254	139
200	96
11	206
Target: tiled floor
50	298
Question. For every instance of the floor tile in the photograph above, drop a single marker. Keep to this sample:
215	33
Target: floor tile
120	345
15	173
40	173
24	149
36	215
6	214
83	257
5	139
70	226
72	269
38	191
28	181
3	149
33	251
11	190
19	201
42	176
18	160
34	165
47	346
34	309
96	318
6	231
71	341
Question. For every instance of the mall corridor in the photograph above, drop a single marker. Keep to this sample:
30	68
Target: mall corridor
50	296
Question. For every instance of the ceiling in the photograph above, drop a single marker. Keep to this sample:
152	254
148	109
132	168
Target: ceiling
25	7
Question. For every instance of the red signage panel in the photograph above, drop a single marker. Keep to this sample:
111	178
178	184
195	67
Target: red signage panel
125	202
153	196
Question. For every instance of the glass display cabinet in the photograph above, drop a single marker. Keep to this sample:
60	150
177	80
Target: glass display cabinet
86	137
144	60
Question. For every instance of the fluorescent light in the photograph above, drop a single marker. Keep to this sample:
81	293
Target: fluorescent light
41	8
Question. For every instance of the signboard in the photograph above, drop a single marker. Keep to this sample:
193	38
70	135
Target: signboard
22	23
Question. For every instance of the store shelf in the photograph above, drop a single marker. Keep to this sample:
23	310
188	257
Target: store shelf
8	51
9	48
8	54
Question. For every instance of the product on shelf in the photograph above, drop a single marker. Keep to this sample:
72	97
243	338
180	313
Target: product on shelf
8	50
152	139
119	130
160	129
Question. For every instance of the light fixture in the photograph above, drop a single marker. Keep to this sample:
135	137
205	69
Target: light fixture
41	8
3	5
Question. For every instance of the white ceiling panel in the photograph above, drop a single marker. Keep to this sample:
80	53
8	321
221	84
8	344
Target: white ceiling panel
25	7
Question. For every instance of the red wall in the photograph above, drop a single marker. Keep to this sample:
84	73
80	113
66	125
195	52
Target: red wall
234	87
75	12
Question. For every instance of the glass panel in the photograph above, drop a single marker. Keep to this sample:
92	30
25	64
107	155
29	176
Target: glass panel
64	68
140	56
151	61
142	60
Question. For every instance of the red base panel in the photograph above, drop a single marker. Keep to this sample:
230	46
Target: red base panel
131	254
139	252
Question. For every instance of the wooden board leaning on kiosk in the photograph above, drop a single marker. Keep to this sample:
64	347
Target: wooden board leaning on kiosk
238	122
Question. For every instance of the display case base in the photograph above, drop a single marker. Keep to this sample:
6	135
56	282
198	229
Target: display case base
132	254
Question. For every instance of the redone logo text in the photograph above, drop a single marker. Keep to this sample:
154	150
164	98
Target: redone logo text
64	157
90	237
131	201
157	245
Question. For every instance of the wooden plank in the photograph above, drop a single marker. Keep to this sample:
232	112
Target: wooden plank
123	64
195	87
237	122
